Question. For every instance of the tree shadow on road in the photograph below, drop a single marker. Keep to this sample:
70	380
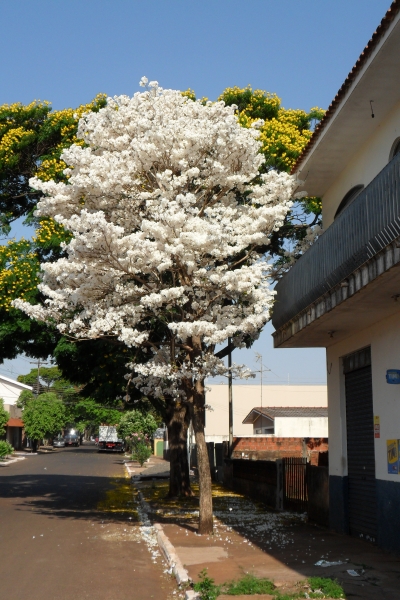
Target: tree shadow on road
70	496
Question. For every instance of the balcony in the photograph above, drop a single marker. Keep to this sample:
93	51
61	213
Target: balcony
357	248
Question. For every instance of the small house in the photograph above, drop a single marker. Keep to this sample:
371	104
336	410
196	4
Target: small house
289	421
9	392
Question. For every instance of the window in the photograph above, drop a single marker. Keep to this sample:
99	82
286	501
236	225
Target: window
395	149
258	430
349	197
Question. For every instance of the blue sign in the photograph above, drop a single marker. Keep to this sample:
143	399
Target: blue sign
393	376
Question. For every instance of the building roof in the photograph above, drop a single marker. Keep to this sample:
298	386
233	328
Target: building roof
285	411
14	382
15	423
363	58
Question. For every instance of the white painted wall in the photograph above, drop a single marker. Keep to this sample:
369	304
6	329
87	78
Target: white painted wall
301	426
246	397
364	166
11	389
384	339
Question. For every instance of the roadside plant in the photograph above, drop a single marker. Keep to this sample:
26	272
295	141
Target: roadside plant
141	449
134	423
5	449
206	587
171	216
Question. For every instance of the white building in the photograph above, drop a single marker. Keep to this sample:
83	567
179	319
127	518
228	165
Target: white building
9	392
246	397
343	294
289	421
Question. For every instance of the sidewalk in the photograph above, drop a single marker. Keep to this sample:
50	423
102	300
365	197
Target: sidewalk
250	538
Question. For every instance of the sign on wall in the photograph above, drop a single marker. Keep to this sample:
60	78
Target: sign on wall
393	456
377	427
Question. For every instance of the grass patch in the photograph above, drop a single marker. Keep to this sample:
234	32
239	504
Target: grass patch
323	587
313	587
249	584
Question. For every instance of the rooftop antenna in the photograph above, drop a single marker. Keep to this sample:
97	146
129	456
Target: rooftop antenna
262	368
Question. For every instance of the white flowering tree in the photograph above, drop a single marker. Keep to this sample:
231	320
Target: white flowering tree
167	209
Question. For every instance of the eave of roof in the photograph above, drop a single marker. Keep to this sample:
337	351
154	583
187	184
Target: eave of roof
16	383
271	412
15	423
361	62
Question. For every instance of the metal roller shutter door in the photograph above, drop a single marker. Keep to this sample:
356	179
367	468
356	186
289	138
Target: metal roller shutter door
361	454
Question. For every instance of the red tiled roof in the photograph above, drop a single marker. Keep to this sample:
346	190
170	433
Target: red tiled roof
369	48
15	423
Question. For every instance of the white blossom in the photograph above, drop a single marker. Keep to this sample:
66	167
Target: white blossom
170	219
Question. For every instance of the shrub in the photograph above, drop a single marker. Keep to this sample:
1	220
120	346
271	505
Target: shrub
135	422
140	445
5	449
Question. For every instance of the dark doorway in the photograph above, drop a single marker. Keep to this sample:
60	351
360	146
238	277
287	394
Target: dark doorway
360	445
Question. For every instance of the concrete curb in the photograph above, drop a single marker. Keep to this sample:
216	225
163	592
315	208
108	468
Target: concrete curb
167	549
11	461
191	595
173	560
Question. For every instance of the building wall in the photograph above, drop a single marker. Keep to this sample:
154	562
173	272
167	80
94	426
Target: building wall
365	165
246	397
384	339
10	391
301	427
273	448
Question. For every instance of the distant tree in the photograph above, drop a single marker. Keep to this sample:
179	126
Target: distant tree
88	413
4	417
50	379
43	417
25	397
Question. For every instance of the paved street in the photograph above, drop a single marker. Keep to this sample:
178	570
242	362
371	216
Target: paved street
68	529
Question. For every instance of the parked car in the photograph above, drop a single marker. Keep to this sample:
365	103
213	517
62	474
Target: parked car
71	439
59	442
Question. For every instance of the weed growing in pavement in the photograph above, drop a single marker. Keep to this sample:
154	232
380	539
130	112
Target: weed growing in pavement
323	587
206	587
249	585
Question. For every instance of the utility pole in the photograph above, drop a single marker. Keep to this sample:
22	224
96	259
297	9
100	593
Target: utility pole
39	364
262	367
230	395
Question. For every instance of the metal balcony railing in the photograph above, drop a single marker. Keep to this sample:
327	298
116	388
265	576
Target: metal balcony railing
368	224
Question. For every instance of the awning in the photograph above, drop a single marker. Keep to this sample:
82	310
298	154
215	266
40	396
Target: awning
15	423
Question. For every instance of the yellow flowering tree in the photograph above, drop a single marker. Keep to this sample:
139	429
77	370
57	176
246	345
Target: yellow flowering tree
32	138
284	134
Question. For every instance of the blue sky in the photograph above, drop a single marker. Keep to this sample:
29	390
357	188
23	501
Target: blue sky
67	52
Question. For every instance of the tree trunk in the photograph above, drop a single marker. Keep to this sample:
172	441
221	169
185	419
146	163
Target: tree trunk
203	463
178	419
